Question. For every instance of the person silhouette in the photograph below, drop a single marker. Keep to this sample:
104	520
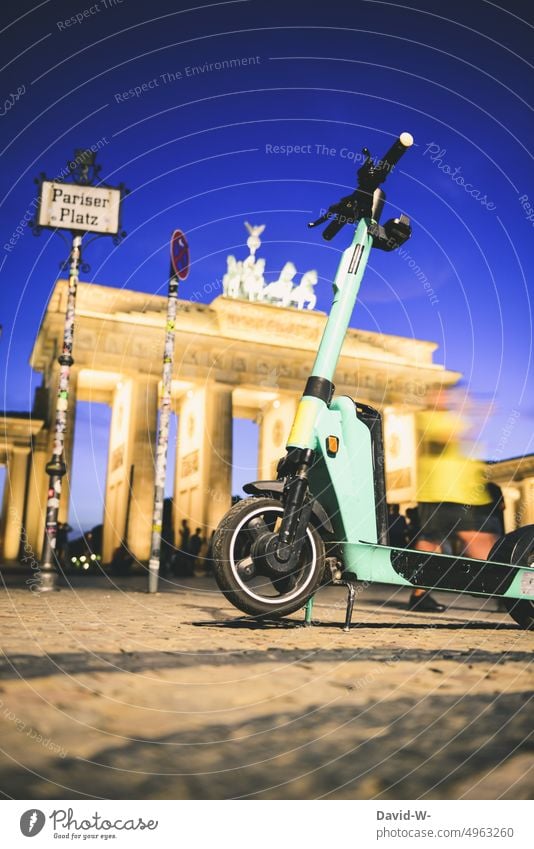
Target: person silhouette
180	565
195	544
398	529
454	506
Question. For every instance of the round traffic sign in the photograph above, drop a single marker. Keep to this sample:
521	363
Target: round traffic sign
179	254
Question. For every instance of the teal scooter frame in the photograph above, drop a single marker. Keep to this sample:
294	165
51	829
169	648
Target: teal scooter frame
325	517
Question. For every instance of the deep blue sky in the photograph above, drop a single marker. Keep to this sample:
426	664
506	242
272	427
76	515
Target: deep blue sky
194	151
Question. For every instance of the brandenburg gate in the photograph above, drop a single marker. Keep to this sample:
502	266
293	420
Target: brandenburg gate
234	358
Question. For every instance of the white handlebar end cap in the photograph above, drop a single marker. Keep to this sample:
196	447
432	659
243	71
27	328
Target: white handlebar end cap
406	139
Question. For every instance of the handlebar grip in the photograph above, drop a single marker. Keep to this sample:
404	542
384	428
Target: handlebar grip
397	150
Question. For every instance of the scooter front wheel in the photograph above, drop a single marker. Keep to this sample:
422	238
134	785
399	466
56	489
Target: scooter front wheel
239	578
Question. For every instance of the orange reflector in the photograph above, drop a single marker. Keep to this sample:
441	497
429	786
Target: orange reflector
332	445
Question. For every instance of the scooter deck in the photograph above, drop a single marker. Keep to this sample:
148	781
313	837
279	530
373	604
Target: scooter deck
410	567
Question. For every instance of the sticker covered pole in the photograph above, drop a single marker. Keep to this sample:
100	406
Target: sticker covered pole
179	270
56	468
61	204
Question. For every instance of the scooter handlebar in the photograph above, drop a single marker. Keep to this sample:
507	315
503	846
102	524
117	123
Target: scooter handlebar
404	141
361	202
371	174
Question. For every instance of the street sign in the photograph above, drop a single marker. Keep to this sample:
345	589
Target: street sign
179	255
81	208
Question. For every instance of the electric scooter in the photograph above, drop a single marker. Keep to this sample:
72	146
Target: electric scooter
324	520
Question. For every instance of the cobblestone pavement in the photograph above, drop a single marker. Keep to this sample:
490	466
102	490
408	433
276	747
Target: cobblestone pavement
108	692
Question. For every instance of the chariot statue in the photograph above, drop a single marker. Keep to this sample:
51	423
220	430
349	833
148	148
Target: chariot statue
245	279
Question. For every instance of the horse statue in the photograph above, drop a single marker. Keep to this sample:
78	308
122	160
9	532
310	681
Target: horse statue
303	293
280	291
253	278
231	281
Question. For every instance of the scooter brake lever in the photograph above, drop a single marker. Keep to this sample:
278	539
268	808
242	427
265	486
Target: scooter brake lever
333	228
320	220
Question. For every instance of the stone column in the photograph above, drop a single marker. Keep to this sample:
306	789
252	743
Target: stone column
17	469
37	485
128	509
524	506
117	477
276	419
142	459
217	459
400	448
203	475
512	495
189	453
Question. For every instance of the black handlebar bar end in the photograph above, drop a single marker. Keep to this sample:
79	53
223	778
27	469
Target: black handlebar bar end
404	141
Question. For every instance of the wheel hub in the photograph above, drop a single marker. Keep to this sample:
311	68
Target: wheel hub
266	556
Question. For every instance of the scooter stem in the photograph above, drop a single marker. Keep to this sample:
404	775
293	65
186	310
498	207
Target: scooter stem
346	286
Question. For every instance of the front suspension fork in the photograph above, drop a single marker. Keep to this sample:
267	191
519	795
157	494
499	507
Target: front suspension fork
297	504
277	553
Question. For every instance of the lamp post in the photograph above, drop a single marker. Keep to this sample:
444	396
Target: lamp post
94	208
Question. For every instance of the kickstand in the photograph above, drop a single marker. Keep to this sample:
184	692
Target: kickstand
308	612
351	595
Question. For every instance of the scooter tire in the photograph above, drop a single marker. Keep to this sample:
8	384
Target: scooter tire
225	542
517	547
522	612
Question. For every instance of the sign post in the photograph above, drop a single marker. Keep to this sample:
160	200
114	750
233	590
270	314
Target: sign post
179	271
80	207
